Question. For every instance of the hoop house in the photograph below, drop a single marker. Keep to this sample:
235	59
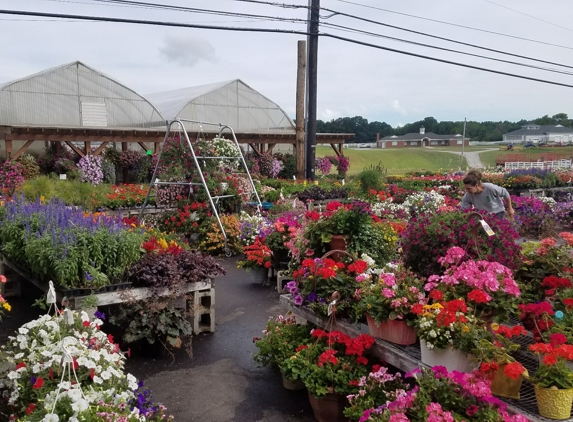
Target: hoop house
232	103
74	96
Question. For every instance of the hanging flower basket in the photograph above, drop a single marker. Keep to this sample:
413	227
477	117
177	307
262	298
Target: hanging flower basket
504	386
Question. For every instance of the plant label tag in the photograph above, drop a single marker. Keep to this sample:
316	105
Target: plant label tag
487	228
342	182
331	306
63	176
294	177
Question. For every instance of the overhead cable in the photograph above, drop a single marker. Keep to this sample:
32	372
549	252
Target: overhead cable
275	31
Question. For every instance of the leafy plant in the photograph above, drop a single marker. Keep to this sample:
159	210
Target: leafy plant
211	238
371	178
553	371
30	167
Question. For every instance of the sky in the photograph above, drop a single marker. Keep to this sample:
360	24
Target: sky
353	79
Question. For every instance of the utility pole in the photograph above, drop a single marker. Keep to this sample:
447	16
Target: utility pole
300	84
311	80
463	144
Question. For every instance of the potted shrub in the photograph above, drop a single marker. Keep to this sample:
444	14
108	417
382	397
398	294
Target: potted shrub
553	381
279	342
331	365
388	301
448	334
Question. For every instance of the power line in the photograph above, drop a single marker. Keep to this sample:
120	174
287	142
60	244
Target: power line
275	31
334	26
440	38
455	24
529	16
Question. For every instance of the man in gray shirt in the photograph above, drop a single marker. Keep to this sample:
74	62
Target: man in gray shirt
486	196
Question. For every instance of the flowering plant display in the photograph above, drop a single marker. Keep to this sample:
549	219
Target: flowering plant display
553	370
424	202
4	305
129	160
90	169
279	342
449	324
40	388
11	176
428	237
323	164
186	219
211	238
253	226
380	386
317	279
30	167
396	294
550	256
125	196
488	286
442	396
331	362
537	318
257	255
496	354
284	228
533	216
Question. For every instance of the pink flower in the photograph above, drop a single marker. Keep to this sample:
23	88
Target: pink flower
388	293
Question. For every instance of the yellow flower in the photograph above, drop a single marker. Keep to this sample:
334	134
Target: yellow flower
163	243
7	306
42	199
466	329
495	326
369	306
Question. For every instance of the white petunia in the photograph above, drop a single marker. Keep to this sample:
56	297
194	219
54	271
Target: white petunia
51	417
80	405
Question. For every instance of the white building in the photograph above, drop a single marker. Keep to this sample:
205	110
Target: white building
535	133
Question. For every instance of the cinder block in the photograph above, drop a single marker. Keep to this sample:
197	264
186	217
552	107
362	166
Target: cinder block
203	311
282	280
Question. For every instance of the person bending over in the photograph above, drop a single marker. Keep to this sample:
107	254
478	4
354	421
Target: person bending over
486	196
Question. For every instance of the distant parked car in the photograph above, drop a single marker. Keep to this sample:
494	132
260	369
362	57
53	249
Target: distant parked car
529	145
542	144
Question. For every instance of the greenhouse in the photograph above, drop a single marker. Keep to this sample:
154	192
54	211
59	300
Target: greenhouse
73	103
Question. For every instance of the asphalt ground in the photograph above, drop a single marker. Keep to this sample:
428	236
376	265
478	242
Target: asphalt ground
220	382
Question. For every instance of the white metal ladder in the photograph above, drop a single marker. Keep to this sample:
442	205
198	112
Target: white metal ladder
213	199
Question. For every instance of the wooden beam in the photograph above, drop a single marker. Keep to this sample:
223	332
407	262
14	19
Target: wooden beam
75	149
143	145
255	149
335	150
101	148
270	148
88	147
21	150
8	148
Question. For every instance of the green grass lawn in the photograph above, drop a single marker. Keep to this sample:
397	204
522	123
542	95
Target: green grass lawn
396	160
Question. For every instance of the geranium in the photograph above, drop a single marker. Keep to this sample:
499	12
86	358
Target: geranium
392	295
553	370
331	362
448	324
11	176
257	255
439	395
488	286
43	353
536	317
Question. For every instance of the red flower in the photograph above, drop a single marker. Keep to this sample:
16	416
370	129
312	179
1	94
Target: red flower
86	323
513	370
30	408
557	339
472	410
549	359
436	295
568	302
21	365
478	296
301	347
328	356
418	309
38	384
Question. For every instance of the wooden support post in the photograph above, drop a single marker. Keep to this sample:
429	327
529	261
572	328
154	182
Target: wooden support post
8	148
101	148
156	147
123	149
75	149
338	152
88	147
21	150
143	145
300	81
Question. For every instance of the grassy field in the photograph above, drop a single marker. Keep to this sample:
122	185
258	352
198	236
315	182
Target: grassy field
396	160
404	160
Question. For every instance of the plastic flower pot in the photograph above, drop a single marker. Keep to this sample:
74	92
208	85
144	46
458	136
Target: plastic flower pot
393	331
292	385
553	403
259	275
453	360
504	386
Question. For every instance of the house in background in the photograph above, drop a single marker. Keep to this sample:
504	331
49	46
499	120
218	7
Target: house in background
535	133
423	139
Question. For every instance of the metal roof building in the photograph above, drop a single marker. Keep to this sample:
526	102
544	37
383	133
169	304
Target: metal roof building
232	103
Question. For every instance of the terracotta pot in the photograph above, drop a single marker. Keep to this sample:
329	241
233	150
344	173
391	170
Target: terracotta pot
329	408
453	360
337	243
503	386
392	330
292	385
554	403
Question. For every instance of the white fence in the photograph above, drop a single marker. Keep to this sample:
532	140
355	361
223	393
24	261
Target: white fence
557	164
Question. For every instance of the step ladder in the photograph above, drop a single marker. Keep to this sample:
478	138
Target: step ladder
179	125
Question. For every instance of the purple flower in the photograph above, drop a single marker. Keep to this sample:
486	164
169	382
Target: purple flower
298	300
99	315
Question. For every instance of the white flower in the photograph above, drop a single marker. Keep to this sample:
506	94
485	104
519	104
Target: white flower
80	405
433	334
51	417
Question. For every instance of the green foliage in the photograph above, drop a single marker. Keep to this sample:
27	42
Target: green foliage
377	240
558	375
281	337
371	178
29	165
154	320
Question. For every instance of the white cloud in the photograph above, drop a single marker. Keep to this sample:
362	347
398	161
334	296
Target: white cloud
188	51
398	108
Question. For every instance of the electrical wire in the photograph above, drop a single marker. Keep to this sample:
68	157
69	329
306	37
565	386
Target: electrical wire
275	31
344	28
456	25
529	16
493	50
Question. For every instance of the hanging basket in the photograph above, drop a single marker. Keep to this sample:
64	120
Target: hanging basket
394	331
554	403
337	246
504	386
